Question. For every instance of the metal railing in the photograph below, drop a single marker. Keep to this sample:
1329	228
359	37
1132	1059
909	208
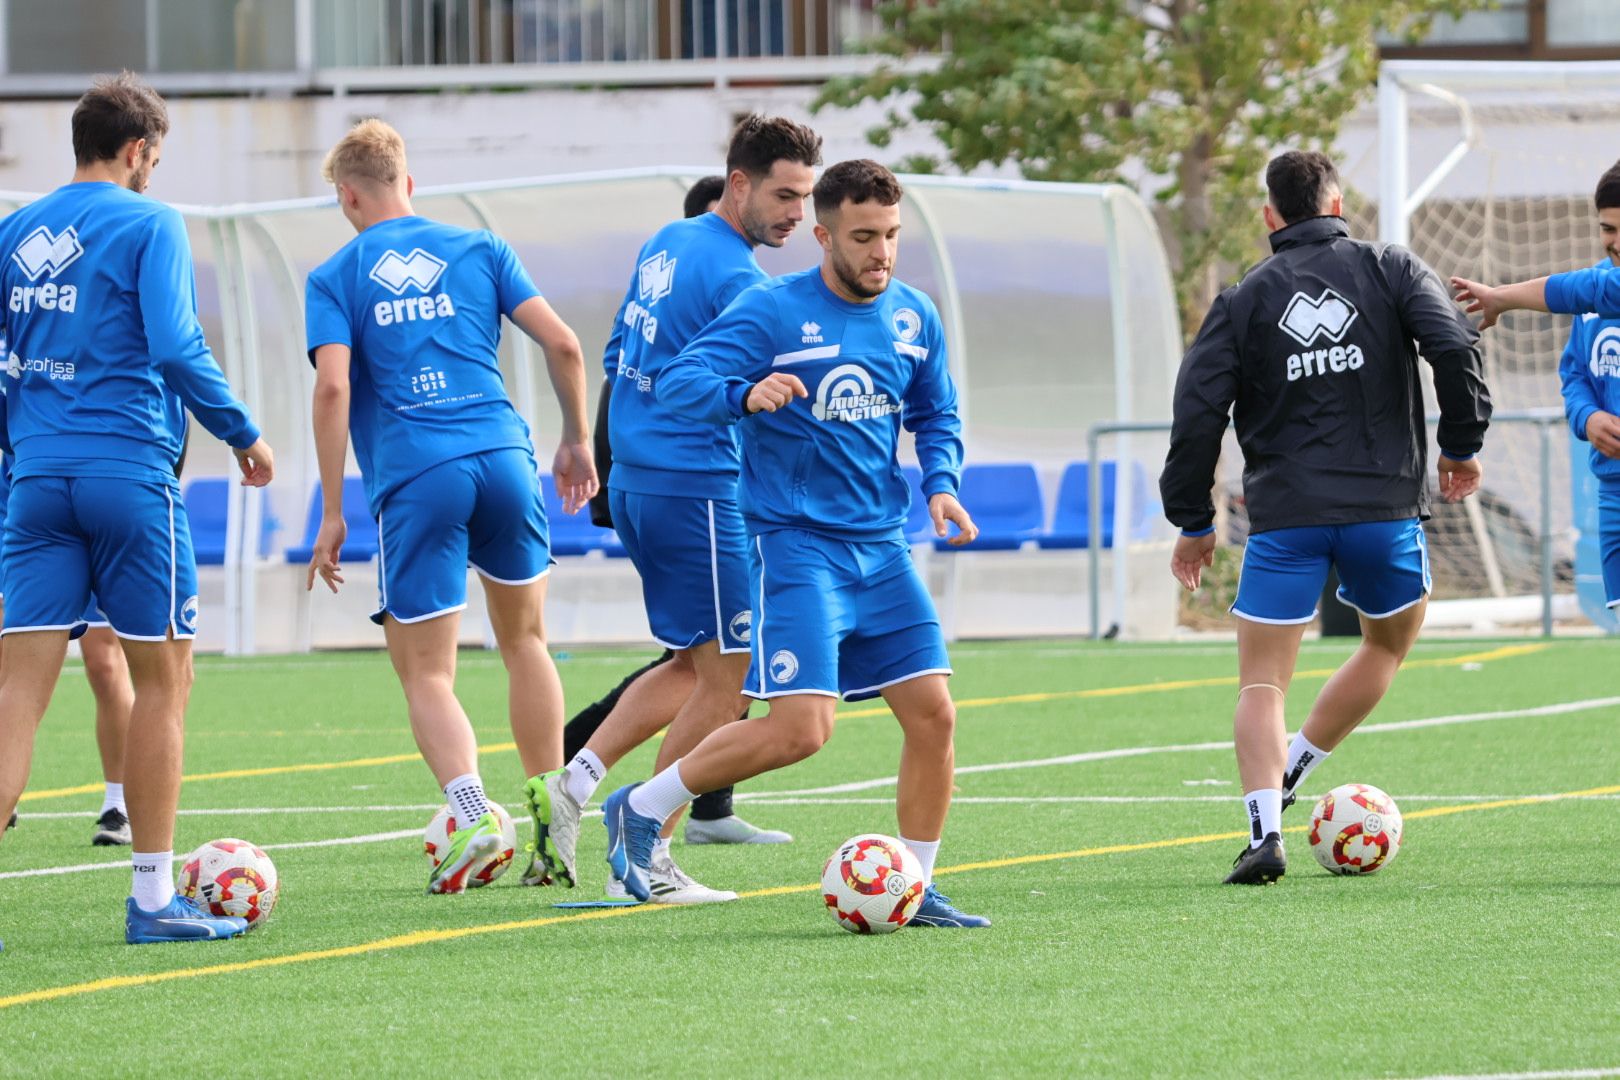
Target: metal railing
1545	420
342	45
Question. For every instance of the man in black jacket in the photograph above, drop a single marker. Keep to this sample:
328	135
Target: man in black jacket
1313	354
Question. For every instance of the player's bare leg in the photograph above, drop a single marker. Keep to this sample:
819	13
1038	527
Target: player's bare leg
424	656
649	705
534	690
29	665
716	699
108	674
162	676
1267	655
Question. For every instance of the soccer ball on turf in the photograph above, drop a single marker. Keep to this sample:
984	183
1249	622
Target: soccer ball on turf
873	884
443	826
230	877
1355	829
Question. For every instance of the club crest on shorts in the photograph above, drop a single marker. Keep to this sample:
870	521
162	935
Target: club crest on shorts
742	626
188	615
784	666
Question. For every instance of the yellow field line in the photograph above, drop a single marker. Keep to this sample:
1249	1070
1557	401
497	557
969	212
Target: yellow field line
1501	653
429	937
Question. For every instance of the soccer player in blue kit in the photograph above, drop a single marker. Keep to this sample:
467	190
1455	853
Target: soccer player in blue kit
404	324
838	607
674	483
106	354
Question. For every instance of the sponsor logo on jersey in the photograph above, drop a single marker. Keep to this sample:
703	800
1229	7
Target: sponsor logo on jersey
1606	352
428	382
907	325
399	274
784	666
810	333
846	393
655	277
1329	316
57	370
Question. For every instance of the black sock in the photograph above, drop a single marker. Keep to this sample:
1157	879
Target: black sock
712	806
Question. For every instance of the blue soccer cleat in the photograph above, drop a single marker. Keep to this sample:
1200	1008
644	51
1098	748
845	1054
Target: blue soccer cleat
179	920
936	909
630	842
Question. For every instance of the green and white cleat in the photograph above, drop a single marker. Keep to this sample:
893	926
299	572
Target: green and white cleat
556	830
468	848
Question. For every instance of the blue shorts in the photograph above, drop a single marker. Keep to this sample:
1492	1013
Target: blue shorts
482	511
1383	570
1609	540
692	558
86	549
838	617
92	617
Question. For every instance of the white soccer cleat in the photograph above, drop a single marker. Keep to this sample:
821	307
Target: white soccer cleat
669	884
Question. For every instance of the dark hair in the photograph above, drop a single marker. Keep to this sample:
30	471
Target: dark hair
116	109
1607	195
702	193
1299	182
759	142
858	181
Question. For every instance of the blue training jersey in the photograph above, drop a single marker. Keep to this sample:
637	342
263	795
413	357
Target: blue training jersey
685	276
105	350
1590	373
827	463
419	305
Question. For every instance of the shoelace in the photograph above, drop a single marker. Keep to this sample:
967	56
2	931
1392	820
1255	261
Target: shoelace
669	869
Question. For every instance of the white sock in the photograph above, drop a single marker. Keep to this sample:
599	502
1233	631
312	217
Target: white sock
662	795
154	879
582	775
1302	758
1264	808
114	799
661	849
466	797
926	851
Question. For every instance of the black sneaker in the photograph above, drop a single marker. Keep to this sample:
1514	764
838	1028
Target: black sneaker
112	829
1259	865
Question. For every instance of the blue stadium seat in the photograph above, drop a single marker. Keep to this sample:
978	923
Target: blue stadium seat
361	542
207	500
919	529
1071	526
1005	501
573	534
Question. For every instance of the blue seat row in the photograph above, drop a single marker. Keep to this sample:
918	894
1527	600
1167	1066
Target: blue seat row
1009	507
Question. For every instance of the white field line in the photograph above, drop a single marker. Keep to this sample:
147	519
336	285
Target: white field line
1561	1074
1558	709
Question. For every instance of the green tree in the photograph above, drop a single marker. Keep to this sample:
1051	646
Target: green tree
1186	98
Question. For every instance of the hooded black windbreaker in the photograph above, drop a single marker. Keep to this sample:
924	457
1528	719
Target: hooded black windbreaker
1317	349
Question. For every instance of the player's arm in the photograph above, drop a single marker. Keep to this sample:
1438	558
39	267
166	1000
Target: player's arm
1582	407
1451	347
1206	387
1595	289
724	373
167	288
574	467
331	417
931	415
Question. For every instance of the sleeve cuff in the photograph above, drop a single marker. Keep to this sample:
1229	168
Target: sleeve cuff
1577	422
1195	533
248	436
1556	294
1447	454
940	484
737	398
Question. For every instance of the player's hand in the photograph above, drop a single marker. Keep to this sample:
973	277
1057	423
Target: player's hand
257	462
1191	555
328	543
574	472
943	507
774	391
1459	479
1603	432
1478	297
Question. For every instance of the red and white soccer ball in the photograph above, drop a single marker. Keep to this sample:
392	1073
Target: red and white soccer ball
443	826
230	877
1355	829
873	884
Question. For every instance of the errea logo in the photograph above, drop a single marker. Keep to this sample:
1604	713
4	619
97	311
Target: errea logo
811	333
655	278
418	271
44	254
1329	315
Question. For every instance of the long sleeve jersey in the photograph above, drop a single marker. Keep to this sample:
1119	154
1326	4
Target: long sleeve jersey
1589	372
419	305
104	350
826	463
1314	354
685	276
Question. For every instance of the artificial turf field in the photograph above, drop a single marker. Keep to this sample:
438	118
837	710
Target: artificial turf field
1490	945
